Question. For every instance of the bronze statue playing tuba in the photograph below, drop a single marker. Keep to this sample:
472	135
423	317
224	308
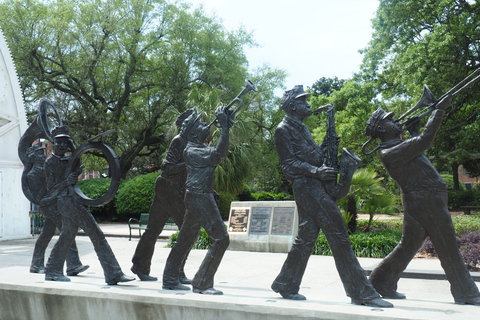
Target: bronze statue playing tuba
41	129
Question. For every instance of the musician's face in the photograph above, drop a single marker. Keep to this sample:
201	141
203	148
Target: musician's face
391	127
302	108
60	146
202	130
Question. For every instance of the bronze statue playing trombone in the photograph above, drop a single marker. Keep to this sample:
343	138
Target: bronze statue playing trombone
424	194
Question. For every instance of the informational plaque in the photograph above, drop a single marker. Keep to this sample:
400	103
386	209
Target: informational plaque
260	220
282	221
238	220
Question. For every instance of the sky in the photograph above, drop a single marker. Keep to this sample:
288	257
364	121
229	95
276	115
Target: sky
309	39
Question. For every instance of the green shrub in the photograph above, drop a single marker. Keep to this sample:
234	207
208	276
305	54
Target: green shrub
136	195
225	200
374	244
458	198
449	180
94	189
466	224
245	195
203	241
270	196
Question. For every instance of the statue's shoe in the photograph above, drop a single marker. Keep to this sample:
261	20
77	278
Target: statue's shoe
177	286
207	291
143	276
288	295
375	302
57	278
35	269
120	278
79	269
474	301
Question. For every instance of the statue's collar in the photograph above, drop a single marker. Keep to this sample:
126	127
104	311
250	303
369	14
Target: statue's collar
61	158
390	143
294	121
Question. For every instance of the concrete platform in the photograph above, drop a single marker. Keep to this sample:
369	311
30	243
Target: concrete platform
244	277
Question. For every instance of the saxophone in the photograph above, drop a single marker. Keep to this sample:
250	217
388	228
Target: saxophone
350	162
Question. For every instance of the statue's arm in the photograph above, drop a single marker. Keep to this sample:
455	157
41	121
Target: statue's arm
174	161
288	160
415	146
55	188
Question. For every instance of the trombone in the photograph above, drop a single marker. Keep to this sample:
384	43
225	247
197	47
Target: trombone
428	99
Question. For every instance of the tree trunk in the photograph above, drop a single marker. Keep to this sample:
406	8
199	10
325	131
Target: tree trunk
456	183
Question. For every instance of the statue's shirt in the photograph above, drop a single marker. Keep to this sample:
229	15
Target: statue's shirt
173	166
298	153
56	172
407	164
201	162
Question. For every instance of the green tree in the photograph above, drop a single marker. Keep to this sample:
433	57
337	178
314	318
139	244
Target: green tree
123	64
434	43
326	86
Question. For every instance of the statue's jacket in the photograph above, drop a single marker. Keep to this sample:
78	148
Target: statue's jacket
298	153
406	162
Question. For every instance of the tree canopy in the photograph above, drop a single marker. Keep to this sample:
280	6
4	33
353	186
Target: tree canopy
128	65
435	43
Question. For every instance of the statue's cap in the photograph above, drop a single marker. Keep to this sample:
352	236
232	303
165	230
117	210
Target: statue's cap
375	118
61	132
290	95
189	122
182	116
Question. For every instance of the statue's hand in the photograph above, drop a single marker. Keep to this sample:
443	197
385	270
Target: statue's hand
413	125
445	102
327	173
72	178
224	117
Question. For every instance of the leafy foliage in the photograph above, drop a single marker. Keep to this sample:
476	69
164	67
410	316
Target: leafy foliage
127	65
136	195
369	195
432	43
375	244
94	189
326	86
469	247
203	241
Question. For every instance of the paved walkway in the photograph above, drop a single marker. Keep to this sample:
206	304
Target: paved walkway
245	279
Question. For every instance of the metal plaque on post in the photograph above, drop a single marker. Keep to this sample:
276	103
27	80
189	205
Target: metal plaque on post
238	219
282	221
260	220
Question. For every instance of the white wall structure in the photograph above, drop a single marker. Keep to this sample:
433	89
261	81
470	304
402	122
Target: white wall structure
14	207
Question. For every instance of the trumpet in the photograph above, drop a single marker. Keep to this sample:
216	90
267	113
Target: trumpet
249	86
428	99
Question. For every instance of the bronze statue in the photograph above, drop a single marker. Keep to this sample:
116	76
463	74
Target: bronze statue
35	189
34	179
424	195
62	175
167	202
302	162
201	207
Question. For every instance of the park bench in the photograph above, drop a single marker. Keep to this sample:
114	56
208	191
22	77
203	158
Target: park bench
138	224
143	222
467	210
